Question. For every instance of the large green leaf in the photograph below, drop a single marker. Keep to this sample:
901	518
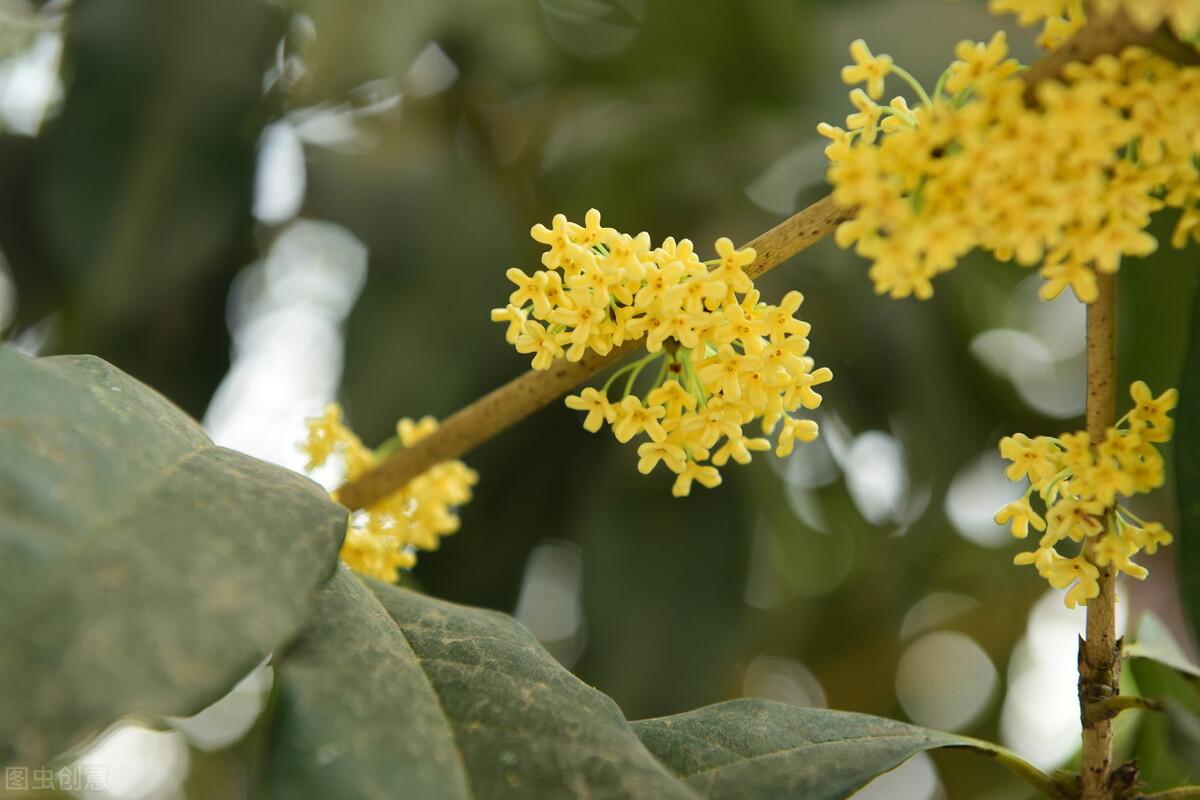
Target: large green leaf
143	570
391	693
395	694
1167	744
1155	643
758	748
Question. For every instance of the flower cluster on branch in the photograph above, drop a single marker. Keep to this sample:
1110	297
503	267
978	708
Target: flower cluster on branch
1069	184
721	358
1080	482
1060	19
384	537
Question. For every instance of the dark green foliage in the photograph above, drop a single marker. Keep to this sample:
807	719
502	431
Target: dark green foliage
143	570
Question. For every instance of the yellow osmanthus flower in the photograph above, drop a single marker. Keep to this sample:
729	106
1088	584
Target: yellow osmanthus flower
383	538
720	357
1069	185
1061	18
867	68
1080	482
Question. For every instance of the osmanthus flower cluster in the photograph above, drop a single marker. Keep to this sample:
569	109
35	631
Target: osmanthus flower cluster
383	538
1061	18
718	358
1080	482
1068	184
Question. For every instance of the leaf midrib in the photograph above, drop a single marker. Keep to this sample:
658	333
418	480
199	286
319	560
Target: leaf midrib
744	759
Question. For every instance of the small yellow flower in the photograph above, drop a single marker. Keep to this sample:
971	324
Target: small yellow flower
739	448
978	61
558	237
584	322
1073	275
793	430
1032	458
1076	451
1022	516
704	475
725	370
1149	414
536	289
632	418
839	146
732	267
650	454
1105	480
1078	573
1029	12
545	345
1074	519
1117	550
866	119
590	233
1151	536
325	434
867	68
673	397
630	254
411	432
782	321
382	539
515	317
721	417
595	404
1063	572
1187	228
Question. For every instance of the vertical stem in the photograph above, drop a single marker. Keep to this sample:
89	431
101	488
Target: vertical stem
1099	654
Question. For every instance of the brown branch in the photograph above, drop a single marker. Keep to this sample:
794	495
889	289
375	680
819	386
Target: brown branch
1100	653
517	399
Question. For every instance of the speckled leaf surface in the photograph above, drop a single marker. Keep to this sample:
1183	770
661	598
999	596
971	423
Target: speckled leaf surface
396	694
143	570
355	714
757	748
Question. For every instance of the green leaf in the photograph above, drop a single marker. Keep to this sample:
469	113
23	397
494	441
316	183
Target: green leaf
1154	642
1187	466
395	694
1168	744
143	570
758	748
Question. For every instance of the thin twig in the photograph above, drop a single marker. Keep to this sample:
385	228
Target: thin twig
1039	780
517	399
1112	706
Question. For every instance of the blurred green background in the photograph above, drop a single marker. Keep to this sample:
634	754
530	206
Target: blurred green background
258	207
